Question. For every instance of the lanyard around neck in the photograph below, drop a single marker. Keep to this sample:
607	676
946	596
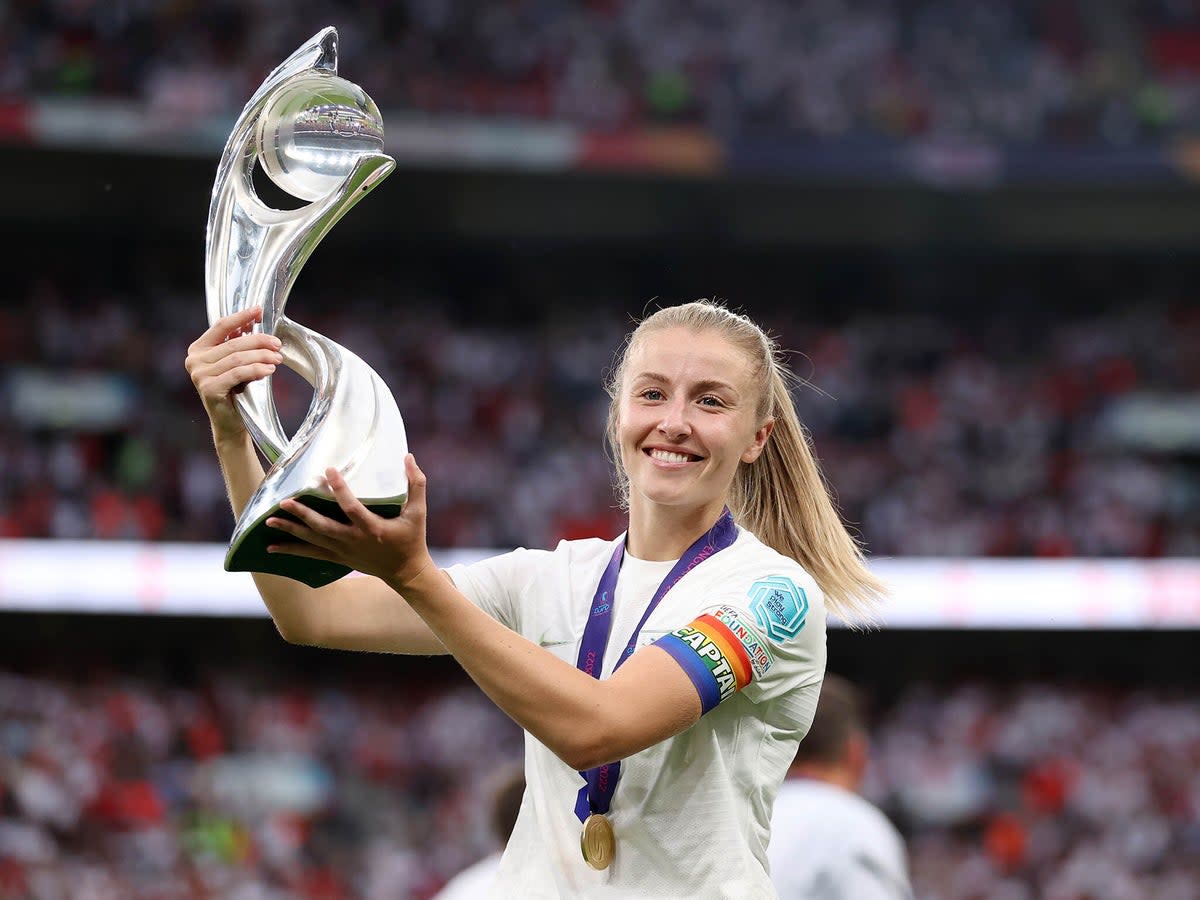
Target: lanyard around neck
596	795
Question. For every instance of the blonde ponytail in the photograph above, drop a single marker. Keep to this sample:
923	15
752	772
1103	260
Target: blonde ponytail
781	497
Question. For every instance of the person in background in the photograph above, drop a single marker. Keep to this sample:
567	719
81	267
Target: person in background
476	880
827	842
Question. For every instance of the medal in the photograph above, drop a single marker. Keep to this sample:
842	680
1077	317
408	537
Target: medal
598	842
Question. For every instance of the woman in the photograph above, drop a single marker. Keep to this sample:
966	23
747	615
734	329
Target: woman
654	779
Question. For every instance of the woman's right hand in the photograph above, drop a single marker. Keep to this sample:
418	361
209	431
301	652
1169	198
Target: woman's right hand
227	356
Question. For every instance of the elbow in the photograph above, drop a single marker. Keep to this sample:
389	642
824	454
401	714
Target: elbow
300	637
589	746
583	758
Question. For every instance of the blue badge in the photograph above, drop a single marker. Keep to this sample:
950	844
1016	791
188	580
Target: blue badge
779	606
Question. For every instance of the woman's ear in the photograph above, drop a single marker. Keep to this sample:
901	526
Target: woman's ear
760	441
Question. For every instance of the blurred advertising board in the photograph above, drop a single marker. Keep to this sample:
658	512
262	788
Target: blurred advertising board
188	579
523	144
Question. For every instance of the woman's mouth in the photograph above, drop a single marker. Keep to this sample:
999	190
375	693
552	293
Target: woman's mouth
670	456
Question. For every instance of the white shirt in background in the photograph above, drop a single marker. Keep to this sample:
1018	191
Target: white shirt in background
828	843
472	883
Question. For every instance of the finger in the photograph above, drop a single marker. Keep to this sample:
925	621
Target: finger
227	325
351	505
233	360
247	343
220	385
299	530
256	340
328	529
246	327
416	484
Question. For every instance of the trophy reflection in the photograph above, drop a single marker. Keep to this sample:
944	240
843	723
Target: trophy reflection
319	138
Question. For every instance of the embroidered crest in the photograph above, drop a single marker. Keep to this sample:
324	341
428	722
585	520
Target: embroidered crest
779	606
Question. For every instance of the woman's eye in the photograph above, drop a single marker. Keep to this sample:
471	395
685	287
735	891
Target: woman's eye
710	401
652	394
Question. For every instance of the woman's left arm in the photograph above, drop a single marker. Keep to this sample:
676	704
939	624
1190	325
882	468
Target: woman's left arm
585	722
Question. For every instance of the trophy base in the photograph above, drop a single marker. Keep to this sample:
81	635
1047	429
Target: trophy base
250	553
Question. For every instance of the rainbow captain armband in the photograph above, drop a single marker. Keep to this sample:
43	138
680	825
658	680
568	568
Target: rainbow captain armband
719	653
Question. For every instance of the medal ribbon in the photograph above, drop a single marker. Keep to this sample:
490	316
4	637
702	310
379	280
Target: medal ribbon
596	795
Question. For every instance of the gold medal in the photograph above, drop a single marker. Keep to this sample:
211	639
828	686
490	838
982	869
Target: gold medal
598	842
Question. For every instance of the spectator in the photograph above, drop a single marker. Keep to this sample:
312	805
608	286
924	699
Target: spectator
942	437
826	841
1005	70
236	783
475	881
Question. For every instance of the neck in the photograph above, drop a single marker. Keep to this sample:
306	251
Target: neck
659	533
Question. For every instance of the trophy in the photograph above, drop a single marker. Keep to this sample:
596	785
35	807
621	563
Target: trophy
319	138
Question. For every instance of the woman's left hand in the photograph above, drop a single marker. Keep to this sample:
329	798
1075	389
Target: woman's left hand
391	549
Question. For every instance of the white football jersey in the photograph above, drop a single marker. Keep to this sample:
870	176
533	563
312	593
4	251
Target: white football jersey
828	843
473	883
691	814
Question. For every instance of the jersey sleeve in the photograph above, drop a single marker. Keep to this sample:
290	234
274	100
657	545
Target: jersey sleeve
763	635
495	584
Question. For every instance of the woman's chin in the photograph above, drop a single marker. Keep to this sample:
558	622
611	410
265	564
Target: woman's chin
669	496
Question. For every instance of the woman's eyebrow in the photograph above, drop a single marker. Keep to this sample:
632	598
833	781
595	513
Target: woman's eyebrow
704	384
715	384
650	376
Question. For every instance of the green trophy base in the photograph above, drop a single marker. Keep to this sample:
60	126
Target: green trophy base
250	553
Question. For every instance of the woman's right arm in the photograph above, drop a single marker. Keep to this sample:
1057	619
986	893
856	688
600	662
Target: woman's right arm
353	613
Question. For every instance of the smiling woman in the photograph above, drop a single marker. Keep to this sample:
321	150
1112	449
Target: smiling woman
681	433
725	364
663	679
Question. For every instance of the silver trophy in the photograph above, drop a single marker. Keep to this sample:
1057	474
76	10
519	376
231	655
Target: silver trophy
319	138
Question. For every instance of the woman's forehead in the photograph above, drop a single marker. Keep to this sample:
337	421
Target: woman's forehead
688	353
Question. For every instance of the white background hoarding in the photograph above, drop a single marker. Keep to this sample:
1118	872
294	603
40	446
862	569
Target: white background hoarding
188	579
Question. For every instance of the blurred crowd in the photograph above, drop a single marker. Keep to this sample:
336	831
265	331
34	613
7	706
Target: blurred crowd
242	786
1043	792
1018	71
239	787
1011	423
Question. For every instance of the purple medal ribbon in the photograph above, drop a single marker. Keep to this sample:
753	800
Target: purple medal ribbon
596	795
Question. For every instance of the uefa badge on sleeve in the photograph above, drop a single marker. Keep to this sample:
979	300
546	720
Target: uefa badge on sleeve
779	606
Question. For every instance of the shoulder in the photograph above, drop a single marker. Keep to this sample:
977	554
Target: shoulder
584	550
780	594
750	553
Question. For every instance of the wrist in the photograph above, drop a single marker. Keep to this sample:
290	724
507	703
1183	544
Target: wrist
234	438
413	579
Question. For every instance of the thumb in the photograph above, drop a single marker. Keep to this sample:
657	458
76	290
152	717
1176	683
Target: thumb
416	484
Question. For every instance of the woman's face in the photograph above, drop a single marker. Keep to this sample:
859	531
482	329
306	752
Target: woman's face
687	415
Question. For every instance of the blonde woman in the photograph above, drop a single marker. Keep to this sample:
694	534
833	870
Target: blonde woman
663	679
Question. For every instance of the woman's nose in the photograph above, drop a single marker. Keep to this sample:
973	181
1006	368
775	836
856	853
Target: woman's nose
674	423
